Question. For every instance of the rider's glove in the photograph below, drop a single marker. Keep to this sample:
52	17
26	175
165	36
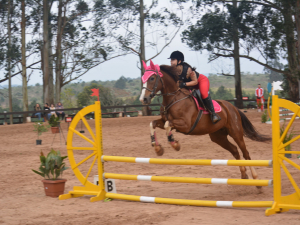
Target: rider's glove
182	85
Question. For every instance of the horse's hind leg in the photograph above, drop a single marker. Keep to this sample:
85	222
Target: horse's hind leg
154	142
239	139
220	138
175	144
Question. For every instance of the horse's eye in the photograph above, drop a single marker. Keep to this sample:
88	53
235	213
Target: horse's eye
152	78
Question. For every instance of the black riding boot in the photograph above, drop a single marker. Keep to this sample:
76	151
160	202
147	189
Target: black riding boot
210	107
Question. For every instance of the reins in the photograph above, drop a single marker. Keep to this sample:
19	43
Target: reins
152	94
167	107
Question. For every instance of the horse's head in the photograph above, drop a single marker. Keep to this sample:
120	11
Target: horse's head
152	82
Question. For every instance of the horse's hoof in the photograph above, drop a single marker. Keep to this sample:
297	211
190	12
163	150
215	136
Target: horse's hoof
175	145
259	188
245	177
159	150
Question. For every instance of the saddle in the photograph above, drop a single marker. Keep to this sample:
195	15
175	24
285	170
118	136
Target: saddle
200	105
198	99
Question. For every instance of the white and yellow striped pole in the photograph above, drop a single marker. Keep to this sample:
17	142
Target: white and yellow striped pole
245	182
202	162
245	204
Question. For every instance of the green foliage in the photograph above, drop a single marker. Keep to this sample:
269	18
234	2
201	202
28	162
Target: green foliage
121	83
40	128
222	93
107	98
285	93
264	117
68	98
259	105
288	136
216	28
52	166
133	89
32	104
16	103
53	121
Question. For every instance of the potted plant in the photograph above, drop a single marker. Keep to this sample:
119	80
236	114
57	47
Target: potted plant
287	138
39	127
264	117
259	107
52	168
54	123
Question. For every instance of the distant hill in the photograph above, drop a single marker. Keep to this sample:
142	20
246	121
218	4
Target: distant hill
132	86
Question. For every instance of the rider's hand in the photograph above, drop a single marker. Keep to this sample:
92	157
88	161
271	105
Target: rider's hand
182	85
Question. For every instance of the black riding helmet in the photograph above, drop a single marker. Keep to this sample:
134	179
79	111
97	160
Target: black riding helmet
177	55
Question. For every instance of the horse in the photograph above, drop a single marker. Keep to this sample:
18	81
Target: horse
179	111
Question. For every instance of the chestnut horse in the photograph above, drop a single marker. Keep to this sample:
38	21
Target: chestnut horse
179	111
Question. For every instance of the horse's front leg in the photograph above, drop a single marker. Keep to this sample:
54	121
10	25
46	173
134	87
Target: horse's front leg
174	143
154	142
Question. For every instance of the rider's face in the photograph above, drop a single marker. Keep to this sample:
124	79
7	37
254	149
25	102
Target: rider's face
174	62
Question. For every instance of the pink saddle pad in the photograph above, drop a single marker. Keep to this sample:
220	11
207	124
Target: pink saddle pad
216	106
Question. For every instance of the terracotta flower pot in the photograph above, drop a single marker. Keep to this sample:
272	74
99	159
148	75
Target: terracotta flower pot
54	130
54	188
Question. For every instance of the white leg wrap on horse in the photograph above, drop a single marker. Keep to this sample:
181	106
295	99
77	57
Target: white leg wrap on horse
167	128
152	130
253	172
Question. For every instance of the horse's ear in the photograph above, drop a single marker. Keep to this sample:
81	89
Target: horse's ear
152	64
145	65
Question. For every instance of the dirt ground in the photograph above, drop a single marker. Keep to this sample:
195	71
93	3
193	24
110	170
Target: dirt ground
23	200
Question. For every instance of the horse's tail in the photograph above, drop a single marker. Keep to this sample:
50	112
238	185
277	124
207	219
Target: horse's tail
250	131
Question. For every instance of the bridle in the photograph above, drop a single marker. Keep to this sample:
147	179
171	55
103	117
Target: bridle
152	94
173	102
158	78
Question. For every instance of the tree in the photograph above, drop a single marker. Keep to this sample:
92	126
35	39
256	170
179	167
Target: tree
107	98
220	32
23	49
275	39
222	93
68	98
32	104
9	43
80	48
16	105
151	19
275	76
276	24
121	83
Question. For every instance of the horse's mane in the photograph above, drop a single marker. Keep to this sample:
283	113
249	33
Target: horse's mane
172	71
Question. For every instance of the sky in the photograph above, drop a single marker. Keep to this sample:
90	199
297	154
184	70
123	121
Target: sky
127	65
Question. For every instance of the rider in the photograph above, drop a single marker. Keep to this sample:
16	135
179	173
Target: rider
189	78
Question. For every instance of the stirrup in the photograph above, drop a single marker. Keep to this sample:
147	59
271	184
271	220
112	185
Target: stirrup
218	118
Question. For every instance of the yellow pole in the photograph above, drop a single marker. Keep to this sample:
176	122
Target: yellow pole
99	145
203	162
276	164
250	204
190	180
